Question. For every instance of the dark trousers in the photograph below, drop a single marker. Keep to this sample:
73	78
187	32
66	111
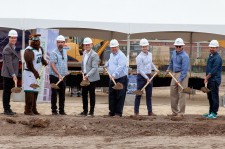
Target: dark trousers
117	97
60	91
141	81
91	89
213	96
8	84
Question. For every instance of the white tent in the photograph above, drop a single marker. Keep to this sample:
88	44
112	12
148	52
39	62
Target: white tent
192	20
118	18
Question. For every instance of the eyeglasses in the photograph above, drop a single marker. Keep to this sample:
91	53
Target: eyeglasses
178	46
60	41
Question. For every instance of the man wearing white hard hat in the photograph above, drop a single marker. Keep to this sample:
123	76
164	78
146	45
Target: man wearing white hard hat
10	69
118	70
179	65
58	70
144	69
89	68
213	79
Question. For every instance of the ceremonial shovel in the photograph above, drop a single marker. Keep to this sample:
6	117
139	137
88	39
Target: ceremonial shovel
84	82
184	90
205	89
118	85
55	86
16	89
140	92
34	86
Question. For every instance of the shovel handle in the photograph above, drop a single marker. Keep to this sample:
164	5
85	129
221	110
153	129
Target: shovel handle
59	81
15	83
40	72
110	76
149	81
176	80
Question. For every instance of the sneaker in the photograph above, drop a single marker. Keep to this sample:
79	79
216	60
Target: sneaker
212	116
91	114
206	115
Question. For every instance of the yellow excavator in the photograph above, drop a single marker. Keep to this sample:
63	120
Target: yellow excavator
75	52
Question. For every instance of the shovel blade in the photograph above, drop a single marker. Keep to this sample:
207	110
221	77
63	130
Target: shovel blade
84	83
54	86
34	86
16	90
138	92
118	86
205	90
187	90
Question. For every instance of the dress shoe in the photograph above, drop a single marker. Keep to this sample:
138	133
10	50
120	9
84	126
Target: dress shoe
91	114
9	112
173	114
55	113
136	113
62	113
151	114
83	113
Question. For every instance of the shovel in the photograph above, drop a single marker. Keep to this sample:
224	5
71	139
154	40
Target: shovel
55	86
205	89
84	82
140	92
118	85
184	90
16	89
33	85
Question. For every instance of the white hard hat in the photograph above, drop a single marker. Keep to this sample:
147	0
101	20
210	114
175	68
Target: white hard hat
60	38
113	43
13	33
87	40
144	42
179	42
214	43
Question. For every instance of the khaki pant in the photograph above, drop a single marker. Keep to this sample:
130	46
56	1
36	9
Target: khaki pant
178	99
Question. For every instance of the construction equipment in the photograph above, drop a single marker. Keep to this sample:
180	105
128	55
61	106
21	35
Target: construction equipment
205	89
140	92
55	86
118	85
36	85
16	89
84	82
184	90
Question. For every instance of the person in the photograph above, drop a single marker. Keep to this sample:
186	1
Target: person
144	68
213	78
34	63
10	69
179	65
58	70
89	67
118	71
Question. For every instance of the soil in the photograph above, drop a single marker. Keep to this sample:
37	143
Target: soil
101	131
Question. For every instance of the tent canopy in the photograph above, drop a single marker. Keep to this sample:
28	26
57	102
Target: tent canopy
161	19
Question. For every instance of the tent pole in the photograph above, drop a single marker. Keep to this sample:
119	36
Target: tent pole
128	50
191	53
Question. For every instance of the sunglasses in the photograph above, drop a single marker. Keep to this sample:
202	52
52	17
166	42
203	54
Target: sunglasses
178	46
60	41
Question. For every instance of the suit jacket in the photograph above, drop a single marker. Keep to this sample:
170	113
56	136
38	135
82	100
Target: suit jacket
91	66
10	64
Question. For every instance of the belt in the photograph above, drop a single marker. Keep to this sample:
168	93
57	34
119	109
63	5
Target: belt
27	70
177	71
148	74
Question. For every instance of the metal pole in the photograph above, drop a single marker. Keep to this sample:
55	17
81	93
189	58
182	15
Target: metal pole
23	39
190	53
128	50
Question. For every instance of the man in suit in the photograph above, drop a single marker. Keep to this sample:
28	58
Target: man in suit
10	68
89	67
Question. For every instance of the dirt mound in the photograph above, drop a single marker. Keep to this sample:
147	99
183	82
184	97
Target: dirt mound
189	125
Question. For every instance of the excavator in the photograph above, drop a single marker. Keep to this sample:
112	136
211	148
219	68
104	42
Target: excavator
75	52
